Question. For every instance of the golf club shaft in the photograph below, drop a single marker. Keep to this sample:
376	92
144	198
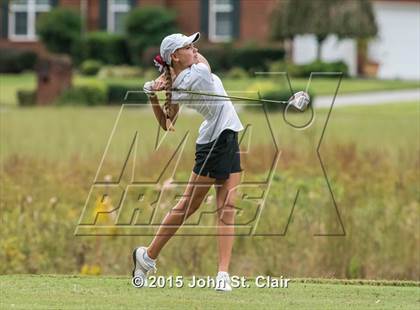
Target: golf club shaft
228	97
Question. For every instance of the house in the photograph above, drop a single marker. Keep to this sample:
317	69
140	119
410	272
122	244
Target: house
217	20
396	50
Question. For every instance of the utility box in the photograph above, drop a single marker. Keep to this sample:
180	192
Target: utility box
54	75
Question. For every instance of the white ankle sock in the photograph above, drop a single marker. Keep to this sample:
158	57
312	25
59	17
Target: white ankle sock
147	258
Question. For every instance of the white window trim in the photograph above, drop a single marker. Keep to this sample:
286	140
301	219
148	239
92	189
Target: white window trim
112	9
31	8
214	8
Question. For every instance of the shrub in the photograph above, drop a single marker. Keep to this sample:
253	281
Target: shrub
219	57
83	95
237	73
60	30
224	57
106	47
146	27
26	97
90	67
282	66
120	71
16	60
117	93
320	66
255	58
306	69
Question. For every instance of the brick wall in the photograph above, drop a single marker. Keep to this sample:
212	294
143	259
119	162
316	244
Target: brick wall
254	19
188	13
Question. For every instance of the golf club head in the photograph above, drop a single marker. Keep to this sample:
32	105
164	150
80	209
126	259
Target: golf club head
299	101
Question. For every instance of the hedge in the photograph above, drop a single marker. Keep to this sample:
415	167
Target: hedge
14	60
107	48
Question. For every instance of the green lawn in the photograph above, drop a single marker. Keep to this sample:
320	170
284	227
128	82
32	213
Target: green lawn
73	292
85	131
10	83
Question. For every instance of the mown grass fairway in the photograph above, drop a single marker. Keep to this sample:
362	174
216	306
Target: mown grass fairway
11	83
68	292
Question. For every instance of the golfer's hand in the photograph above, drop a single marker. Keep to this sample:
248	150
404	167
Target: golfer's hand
149	88
160	83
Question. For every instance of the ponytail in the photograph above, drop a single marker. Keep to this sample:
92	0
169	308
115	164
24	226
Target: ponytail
167	108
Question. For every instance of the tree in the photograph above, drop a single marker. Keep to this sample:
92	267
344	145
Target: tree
146	27
59	30
346	18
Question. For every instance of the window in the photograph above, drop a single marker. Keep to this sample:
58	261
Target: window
117	13
23	15
220	20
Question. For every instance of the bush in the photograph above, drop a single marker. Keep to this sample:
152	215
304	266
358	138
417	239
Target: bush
117	93
26	97
60	30
16	60
106	47
219	57
306	69
146	27
83	95
90	67
282	66
224	57
119	71
237	73
254	58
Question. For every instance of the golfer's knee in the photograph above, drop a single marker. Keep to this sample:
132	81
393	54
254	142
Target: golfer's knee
186	206
226	214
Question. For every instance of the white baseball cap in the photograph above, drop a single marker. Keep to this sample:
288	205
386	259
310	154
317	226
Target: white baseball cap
175	41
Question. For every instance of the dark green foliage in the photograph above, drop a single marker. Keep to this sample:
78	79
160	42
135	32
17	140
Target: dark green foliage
106	47
146	27
60	30
255	58
16	60
83	95
117	93
355	19
90	67
26	97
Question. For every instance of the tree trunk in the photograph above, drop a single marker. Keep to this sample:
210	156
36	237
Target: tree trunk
320	39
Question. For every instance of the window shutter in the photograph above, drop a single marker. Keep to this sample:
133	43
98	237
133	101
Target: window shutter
4	19
204	8
236	18
54	3
133	4
103	14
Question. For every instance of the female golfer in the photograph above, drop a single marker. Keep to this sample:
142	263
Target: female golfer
217	157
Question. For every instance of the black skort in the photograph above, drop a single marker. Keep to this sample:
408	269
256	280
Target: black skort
219	158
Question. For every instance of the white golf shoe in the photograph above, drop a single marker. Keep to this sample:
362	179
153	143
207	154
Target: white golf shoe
223	282
142	266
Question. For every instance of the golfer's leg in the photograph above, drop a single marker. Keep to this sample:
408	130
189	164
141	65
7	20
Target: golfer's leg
193	196
226	196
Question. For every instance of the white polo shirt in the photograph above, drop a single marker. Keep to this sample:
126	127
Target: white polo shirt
219	113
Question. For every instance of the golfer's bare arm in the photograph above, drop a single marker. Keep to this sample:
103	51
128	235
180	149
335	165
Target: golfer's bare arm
157	109
160	115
